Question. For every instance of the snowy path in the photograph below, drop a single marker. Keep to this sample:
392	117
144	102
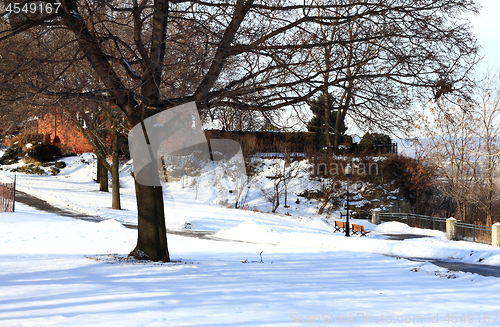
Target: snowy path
42	205
453	265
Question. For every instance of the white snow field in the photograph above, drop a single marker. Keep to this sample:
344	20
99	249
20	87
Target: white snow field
259	269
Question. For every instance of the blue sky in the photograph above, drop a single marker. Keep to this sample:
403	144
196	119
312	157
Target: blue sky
487	29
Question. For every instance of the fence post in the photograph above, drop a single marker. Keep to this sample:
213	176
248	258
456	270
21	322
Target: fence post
495	234
14	195
376	217
451	229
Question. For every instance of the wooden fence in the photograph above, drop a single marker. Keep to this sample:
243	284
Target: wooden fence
7	196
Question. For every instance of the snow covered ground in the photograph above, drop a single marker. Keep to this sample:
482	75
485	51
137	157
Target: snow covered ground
263	269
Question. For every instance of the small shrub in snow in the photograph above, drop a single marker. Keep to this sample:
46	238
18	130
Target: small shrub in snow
29	169
11	155
60	164
28	160
54	171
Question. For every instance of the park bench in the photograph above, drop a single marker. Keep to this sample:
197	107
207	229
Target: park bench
339	226
359	229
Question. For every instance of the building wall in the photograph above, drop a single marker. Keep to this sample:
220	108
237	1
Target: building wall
63	133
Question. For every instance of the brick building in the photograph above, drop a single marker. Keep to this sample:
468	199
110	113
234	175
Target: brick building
63	133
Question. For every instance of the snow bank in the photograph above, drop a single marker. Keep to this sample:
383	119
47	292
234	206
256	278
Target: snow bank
433	245
250	231
394	227
109	225
28	231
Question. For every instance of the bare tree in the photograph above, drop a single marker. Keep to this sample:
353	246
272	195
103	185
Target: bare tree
290	167
462	143
230	119
388	61
101	125
454	152
233	172
273	194
487	132
282	172
329	189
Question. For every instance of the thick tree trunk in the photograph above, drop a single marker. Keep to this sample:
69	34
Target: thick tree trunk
152	236
102	176
115	173
152	233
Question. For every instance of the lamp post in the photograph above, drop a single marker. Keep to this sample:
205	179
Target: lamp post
347	171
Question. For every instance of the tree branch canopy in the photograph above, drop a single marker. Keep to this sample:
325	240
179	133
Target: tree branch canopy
256	55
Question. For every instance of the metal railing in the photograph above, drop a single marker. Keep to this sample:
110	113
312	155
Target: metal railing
413	220
355	214
7	196
473	233
466	232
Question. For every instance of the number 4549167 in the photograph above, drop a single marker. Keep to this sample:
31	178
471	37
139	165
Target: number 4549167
33	7
471	318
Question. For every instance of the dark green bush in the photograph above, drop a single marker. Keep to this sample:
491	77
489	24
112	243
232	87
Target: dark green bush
11	155
42	152
369	141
